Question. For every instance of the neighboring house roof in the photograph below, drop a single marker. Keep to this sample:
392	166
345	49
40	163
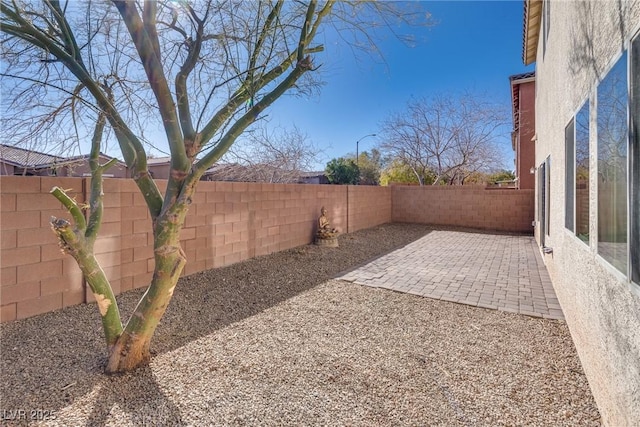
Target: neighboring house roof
233	172
255	173
158	160
313	177
26	158
82	157
23	158
312	174
518	78
532	19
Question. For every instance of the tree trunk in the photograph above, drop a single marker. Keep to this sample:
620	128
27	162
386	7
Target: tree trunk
132	347
72	242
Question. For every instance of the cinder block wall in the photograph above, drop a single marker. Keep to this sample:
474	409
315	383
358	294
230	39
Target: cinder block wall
464	206
35	277
231	222
227	223
124	247
368	206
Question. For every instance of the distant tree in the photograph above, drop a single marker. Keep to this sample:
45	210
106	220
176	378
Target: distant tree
397	172
277	155
477	178
450	137
503	175
201	71
370	166
342	171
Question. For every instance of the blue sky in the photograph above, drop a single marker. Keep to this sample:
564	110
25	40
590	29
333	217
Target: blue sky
472	46
475	45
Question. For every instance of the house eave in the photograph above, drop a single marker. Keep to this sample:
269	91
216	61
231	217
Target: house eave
532	20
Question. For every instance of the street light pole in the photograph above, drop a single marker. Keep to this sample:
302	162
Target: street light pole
358	146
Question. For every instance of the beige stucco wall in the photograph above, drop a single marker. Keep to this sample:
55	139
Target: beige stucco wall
601	307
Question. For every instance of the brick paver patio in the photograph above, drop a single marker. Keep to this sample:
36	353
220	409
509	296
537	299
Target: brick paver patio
491	271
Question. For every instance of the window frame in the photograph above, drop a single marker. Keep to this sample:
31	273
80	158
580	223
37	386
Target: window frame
544	199
546	25
633	158
631	275
571	172
569	175
589	109
599	252
548	196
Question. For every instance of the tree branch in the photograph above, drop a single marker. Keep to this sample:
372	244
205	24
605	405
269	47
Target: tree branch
153	68
249	117
182	94
131	148
71	206
96	195
244	93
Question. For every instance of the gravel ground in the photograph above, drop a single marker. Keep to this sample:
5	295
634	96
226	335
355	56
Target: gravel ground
274	341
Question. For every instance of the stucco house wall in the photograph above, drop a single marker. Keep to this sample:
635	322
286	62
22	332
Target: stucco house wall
81	168
6	168
577	46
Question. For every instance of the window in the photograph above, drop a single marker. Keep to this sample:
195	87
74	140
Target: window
576	136
544	178
618	153
612	165
569	186
542	201
547	196
634	164
546	22
582	173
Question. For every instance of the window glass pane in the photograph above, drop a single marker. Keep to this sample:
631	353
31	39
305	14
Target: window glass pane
542	202
546	24
569	144
635	161
582	173
612	165
547	206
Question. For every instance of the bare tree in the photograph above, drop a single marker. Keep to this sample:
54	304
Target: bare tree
448	137
278	155
202	72
476	149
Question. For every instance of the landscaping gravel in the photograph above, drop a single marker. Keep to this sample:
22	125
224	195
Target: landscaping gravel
274	341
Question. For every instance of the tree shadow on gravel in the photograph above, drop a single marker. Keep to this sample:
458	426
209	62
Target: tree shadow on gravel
138	395
212	299
48	361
